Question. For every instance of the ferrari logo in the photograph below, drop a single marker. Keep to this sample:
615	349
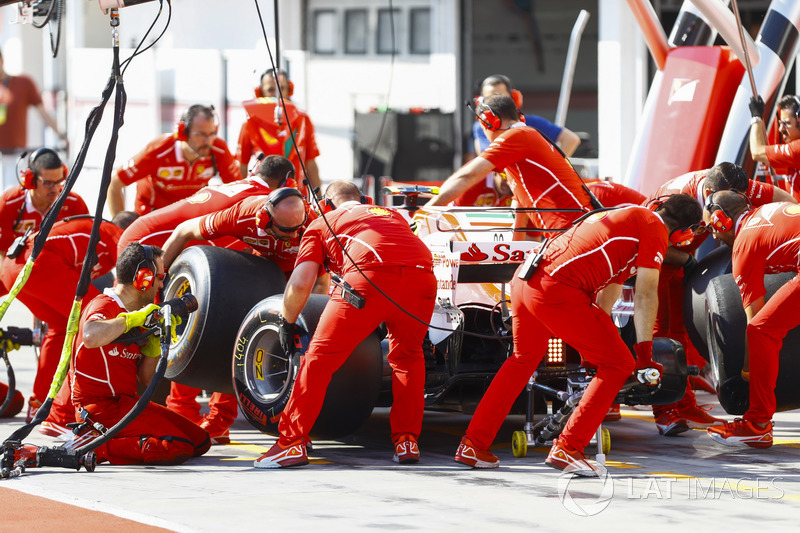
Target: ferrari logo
379	211
199	198
597	217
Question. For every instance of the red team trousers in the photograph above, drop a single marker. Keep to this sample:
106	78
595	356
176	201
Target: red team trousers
670	323
765	335
543	308
342	327
156	436
223	408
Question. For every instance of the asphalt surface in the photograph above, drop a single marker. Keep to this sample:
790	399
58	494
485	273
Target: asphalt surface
653	483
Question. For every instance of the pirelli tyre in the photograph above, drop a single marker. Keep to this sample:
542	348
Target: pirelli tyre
227	284
727	326
263	376
716	263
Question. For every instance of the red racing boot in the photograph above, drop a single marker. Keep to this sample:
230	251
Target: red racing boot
406	450
742	432
470	455
280	456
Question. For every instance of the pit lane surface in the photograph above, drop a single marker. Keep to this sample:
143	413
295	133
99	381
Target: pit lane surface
352	485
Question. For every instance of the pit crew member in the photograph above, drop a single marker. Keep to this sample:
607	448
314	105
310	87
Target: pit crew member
156	227
764	240
105	371
381	243
266	130
577	282
676	418
538	173
22	208
50	290
175	165
784	157
270	226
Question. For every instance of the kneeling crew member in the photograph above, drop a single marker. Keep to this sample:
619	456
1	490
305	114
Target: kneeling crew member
577	281
381	243
105	372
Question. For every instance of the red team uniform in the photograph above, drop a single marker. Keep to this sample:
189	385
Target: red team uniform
784	158
612	194
261	134
767	241
155	228
17	214
50	289
605	249
548	182
165	177
382	244
240	221
669	320
104	383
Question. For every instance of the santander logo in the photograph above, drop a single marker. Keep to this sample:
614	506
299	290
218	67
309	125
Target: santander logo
500	252
474	254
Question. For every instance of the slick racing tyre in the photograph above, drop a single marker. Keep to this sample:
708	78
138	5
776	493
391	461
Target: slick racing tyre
727	326
264	377
227	284
716	263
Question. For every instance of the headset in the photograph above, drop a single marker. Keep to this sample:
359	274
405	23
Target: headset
259	93
494	79
487	116
719	219
264	217
796	108
145	270
289	176
27	177
678	237
182	126
326	206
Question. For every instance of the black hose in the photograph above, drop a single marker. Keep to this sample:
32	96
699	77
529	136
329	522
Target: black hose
12	382
50	218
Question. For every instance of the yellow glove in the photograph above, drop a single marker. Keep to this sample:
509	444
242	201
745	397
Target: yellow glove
9	345
152	348
139	318
176	321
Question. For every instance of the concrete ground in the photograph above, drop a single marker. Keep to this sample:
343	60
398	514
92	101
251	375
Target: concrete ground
654	483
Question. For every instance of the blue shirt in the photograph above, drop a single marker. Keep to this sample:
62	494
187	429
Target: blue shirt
545	127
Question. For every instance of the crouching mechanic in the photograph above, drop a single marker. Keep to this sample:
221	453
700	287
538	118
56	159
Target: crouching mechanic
577	282
105	371
764	240
381	243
